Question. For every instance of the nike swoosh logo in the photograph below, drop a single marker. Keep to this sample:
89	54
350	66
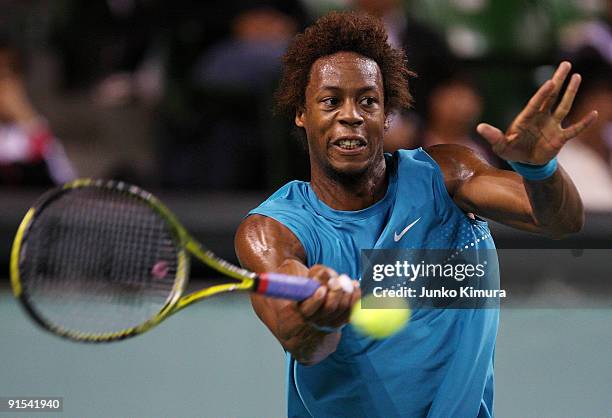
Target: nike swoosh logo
397	237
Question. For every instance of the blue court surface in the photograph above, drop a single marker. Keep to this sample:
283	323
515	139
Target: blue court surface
216	360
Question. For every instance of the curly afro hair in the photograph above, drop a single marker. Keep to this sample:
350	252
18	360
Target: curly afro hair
343	31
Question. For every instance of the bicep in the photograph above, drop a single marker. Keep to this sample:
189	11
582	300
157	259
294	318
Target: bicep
264	244
477	187
498	195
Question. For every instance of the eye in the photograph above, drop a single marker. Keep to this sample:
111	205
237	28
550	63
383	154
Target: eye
330	101
368	101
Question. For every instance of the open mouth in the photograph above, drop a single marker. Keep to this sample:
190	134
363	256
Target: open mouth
350	144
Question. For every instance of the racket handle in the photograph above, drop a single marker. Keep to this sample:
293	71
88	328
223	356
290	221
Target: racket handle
285	286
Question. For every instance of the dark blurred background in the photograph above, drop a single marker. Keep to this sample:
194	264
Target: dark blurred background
177	96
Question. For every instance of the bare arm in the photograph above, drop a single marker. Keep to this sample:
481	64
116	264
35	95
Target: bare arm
263	244
550	206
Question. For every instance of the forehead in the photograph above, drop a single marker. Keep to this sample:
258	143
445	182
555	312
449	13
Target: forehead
344	70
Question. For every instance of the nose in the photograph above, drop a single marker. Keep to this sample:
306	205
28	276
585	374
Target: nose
349	114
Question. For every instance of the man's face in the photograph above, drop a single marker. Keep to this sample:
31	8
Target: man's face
344	116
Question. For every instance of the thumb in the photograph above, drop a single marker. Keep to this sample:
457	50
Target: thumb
492	134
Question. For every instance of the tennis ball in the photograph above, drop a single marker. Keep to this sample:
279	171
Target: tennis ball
382	321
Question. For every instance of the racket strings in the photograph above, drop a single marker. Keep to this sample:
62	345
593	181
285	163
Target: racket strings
99	260
106	268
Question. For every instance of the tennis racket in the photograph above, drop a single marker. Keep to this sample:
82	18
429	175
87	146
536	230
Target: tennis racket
100	261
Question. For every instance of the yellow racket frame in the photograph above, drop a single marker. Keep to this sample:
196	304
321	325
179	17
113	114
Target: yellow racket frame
175	302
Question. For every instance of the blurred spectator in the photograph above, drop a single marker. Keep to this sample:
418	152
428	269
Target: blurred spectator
29	153
588	159
455	107
592	33
223	136
427	52
402	132
428	56
113	45
250	57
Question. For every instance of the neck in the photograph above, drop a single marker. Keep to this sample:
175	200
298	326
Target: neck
351	193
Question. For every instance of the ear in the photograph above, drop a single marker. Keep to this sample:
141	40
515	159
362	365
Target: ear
387	122
299	117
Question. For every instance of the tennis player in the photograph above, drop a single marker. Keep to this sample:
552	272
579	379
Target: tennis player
340	81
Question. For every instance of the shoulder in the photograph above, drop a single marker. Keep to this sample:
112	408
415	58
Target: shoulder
453	156
292	194
290	205
273	231
458	163
262	243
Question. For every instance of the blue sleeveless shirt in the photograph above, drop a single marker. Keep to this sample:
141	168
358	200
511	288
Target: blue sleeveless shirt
441	365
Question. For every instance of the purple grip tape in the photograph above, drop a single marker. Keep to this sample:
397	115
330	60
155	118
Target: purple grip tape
287	287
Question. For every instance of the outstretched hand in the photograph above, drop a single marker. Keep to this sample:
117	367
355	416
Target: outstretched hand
536	135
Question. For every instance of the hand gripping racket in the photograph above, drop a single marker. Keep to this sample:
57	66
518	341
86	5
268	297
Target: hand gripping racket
100	261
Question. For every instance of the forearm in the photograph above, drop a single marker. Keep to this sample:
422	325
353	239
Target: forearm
263	244
531	144
556	205
551	206
307	344
310	346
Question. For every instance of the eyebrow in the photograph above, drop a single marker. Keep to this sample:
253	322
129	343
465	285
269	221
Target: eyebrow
359	90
